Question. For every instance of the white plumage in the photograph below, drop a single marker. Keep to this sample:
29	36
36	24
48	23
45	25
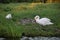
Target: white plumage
43	21
8	16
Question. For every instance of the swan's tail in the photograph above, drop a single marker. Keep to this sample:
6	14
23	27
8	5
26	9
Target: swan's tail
51	23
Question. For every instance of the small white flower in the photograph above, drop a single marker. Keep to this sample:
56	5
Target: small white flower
8	16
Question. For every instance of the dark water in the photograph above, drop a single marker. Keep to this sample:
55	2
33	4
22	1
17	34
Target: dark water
32	38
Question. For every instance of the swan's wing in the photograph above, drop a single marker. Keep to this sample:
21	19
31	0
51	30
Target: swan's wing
46	19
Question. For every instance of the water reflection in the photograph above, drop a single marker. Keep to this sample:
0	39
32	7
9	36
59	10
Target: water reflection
40	38
9	38
32	38
2	38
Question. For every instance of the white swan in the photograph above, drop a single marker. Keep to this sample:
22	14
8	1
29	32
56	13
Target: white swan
8	16
43	21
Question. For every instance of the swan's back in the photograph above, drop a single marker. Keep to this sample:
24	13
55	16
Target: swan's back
45	19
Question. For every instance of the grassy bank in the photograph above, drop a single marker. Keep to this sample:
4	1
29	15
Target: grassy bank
12	27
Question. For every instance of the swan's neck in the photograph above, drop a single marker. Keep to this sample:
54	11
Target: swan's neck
37	19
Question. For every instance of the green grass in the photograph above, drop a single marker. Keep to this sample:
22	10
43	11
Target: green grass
11	28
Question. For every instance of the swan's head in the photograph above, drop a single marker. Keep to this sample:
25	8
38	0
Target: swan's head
36	17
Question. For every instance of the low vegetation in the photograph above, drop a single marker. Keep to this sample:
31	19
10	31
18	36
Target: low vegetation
13	28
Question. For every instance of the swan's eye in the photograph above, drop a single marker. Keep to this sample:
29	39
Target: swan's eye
36	17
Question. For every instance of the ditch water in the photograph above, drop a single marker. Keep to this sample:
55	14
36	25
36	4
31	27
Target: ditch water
33	38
